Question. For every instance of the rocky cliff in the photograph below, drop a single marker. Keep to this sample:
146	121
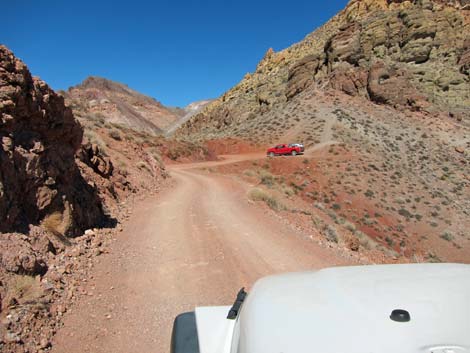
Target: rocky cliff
39	139
58	185
407	54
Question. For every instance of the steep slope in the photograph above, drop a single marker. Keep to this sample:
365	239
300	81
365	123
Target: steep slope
380	96
408	54
119	104
185	114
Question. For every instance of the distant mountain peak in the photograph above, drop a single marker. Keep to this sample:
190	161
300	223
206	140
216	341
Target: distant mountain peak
104	84
121	105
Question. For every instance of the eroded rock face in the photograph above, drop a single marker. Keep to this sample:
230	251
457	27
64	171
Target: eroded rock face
91	155
392	87
464	60
422	45
303	74
414	42
39	137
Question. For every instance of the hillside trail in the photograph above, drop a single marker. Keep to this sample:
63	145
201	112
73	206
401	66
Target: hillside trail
326	139
195	244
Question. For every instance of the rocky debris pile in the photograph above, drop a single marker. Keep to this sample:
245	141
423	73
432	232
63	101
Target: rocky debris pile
39	138
412	55
33	301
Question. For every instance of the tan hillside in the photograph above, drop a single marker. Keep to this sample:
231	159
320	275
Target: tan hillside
407	54
118	104
380	96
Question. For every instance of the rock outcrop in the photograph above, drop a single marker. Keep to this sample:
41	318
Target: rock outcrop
39	138
380	94
91	155
407	54
58	186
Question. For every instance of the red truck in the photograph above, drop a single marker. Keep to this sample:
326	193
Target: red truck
292	149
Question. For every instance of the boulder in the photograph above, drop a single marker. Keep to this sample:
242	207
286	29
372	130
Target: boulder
91	155
19	257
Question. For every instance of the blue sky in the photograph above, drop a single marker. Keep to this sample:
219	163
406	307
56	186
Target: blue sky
175	51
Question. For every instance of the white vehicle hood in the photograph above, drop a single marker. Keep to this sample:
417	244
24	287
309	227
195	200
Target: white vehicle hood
347	310
214	329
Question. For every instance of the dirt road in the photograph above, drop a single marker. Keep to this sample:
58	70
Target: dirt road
195	244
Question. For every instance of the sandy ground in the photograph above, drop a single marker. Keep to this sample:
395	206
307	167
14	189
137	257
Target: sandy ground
195	244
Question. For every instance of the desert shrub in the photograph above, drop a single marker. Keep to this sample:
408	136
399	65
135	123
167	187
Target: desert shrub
296	187
433	258
365	241
123	168
288	190
97	119
26	288
94	138
58	224
260	195
330	234
405	213
176	152
447	236
267	178
115	134
144	166
257	194
274	204
119	126
350	226
53	223
158	158
304	212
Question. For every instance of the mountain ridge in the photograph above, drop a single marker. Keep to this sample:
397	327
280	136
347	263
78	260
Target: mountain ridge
119	104
380	97
420	47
